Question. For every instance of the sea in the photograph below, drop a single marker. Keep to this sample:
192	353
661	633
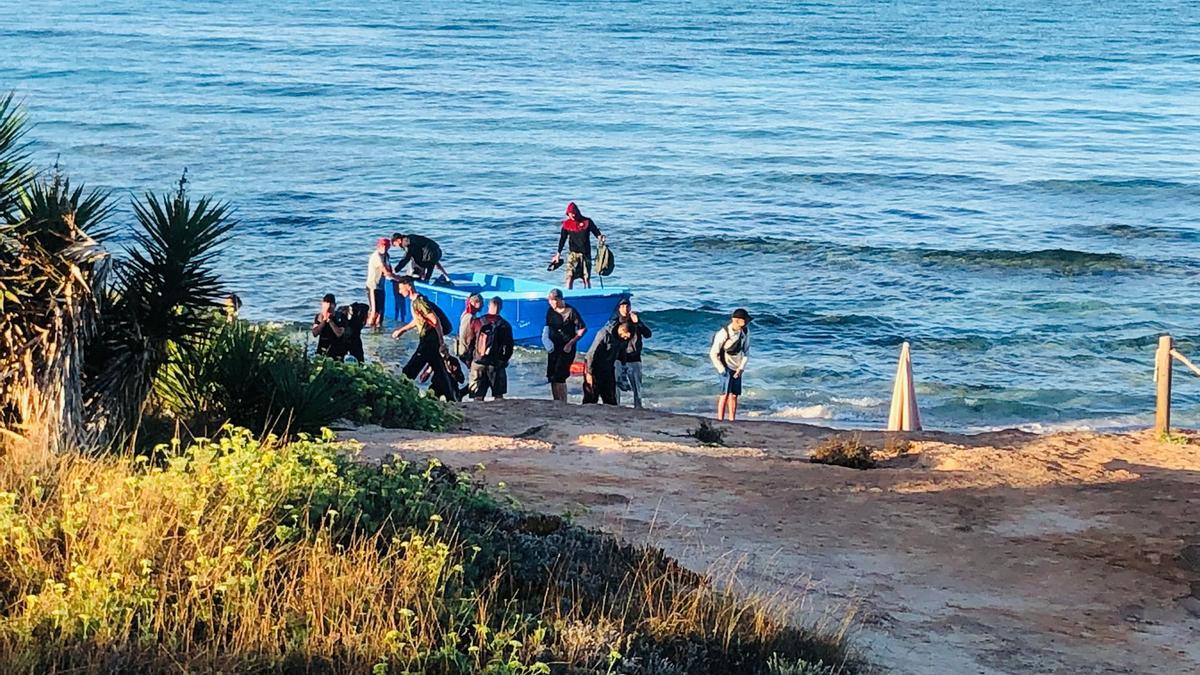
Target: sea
1011	186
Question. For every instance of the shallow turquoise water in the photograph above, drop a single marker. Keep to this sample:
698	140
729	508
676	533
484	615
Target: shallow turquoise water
1012	186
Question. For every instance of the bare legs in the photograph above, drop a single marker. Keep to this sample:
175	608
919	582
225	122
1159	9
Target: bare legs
558	390
727	403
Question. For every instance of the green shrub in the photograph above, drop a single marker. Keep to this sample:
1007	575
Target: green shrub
237	555
256	376
847	451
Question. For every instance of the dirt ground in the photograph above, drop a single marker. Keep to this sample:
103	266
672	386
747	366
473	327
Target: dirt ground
998	553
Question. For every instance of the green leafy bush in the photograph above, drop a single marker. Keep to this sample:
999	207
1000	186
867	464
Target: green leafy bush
256	376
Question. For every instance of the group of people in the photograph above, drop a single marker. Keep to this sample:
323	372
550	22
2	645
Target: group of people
483	341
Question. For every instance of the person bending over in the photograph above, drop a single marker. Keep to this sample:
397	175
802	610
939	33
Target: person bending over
729	353
429	341
564	328
328	325
424	254
600	377
576	234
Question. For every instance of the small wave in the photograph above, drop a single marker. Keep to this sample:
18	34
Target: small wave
1114	186
1056	260
805	412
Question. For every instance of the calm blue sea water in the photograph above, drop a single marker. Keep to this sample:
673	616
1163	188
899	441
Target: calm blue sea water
1013	186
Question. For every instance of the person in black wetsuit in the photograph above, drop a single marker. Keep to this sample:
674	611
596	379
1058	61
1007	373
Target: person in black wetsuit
576	233
564	328
429	344
328	325
424	254
600	378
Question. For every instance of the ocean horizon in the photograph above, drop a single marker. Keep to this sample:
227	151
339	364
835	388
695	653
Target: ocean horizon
1012	187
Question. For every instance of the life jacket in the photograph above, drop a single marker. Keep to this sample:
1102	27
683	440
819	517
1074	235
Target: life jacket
604	260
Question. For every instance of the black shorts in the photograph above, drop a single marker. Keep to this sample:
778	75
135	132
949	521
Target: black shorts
558	365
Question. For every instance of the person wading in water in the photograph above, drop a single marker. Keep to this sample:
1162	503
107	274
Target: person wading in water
576	234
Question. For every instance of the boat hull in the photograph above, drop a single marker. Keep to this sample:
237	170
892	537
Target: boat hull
524	307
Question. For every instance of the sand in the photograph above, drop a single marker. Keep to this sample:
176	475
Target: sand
997	553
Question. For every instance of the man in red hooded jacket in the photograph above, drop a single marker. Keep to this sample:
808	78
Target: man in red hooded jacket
576	233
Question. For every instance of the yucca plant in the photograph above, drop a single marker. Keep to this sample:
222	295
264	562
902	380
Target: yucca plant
15	169
164	295
52	270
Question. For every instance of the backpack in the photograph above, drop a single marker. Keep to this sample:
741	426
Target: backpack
485	342
604	260
357	317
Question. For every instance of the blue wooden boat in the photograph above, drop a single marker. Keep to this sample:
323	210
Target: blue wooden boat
525	303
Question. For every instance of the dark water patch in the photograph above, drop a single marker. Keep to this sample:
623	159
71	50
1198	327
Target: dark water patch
1116	186
1057	260
1142	231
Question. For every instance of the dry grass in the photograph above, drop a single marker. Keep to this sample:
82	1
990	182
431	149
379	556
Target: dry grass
240	555
844	450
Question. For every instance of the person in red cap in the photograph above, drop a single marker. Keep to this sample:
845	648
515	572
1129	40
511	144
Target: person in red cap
378	269
576	233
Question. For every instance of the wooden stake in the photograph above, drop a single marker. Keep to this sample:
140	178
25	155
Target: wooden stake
1162	375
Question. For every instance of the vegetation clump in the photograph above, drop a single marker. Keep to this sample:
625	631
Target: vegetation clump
234	554
709	434
844	450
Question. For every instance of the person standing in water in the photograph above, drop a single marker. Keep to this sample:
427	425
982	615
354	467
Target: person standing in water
564	328
729	353
378	269
576	234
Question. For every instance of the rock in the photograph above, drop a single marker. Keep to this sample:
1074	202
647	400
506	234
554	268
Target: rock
1192	605
1189	557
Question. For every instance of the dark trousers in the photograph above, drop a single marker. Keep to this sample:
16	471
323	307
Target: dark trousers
603	388
347	344
429	354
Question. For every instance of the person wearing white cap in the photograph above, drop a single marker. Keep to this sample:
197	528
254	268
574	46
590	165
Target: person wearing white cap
729	353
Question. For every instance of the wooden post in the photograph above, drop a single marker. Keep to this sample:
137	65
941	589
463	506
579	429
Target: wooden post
1162	375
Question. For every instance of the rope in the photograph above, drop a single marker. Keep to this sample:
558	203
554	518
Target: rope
1184	360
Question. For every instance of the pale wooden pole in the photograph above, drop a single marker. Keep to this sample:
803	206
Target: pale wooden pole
1162	375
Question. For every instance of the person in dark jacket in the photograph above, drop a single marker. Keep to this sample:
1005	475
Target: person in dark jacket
424	254
576	234
491	349
429	344
564	328
328	326
354	318
600	376
629	362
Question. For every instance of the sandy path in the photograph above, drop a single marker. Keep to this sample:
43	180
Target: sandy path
998	553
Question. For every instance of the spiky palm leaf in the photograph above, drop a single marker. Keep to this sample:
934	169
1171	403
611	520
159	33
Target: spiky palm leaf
15	171
163	296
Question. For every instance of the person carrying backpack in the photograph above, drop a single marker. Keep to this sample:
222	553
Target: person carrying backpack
491	350
467	326
576	234
729	353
